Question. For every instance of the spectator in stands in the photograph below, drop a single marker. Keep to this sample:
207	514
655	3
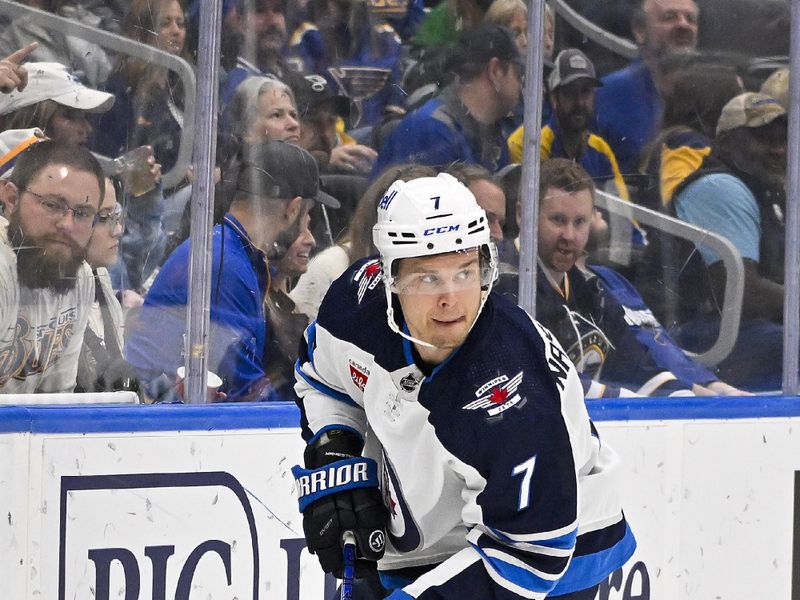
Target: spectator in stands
354	49
691	112
13	76
572	86
55	102
88	60
462	123
739	193
404	16
488	192
101	367
261	28
51	201
322	116
629	105
276	185
613	339
149	106
287	322
446	22
263	108
59	104
143	243
513	14
354	245
14	142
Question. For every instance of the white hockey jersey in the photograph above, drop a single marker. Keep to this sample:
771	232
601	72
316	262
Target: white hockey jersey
41	332
496	482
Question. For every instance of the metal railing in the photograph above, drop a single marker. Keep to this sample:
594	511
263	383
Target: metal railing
118	43
606	39
731	259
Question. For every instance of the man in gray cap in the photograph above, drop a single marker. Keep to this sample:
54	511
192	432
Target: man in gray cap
739	193
276	186
572	85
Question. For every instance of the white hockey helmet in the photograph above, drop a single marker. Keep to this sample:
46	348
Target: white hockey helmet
428	216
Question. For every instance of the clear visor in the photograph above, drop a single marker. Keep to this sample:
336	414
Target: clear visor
425	279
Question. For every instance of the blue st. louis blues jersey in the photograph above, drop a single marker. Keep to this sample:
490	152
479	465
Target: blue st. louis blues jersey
497	484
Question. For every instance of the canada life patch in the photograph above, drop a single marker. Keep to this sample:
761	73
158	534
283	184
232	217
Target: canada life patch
359	374
502	395
368	277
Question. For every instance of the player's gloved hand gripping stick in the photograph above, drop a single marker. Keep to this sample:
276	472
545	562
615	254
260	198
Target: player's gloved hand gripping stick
338	492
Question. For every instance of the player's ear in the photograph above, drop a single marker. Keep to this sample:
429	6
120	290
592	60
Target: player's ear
9	196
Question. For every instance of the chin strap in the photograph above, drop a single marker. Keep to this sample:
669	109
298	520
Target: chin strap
393	324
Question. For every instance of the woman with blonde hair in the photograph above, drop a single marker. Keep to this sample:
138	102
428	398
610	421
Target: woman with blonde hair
263	108
514	15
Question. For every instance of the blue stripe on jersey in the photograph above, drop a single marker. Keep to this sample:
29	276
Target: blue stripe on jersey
562	542
407	346
311	333
390	581
410	355
321	387
516	575
399	595
589	570
548	562
317	435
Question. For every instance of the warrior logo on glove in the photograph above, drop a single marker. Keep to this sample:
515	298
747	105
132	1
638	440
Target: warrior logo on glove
377	540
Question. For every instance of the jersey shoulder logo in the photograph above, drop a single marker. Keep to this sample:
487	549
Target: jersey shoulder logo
359	374
367	277
502	395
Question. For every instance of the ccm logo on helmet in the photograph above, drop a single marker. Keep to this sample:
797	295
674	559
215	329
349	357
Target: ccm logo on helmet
444	229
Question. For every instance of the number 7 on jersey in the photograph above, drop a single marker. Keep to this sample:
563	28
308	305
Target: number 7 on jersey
526	470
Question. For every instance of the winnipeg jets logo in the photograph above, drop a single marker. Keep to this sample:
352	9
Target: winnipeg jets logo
502	395
368	277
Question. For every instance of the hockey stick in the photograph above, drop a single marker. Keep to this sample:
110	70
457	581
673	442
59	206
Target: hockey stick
349	557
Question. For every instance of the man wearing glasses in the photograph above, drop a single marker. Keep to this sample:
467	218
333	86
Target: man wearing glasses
51	202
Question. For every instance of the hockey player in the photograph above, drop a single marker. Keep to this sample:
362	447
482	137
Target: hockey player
445	428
